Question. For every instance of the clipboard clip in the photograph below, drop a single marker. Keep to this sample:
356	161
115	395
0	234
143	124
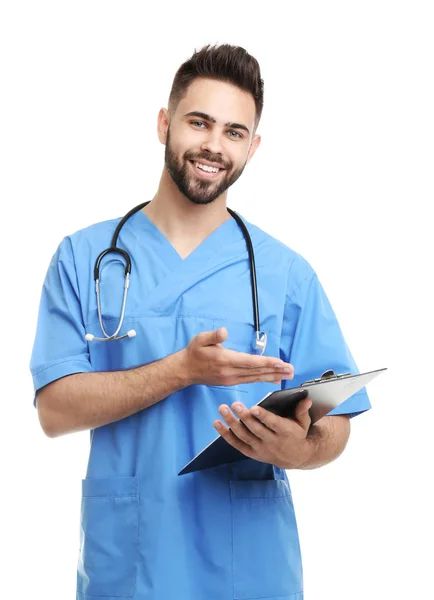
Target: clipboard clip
326	376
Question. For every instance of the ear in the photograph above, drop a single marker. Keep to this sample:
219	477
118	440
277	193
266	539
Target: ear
163	125
253	147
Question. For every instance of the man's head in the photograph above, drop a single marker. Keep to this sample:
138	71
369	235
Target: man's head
215	105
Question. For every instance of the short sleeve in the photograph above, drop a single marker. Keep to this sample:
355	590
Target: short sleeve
59	347
312	341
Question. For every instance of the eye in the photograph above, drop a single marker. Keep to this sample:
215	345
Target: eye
236	136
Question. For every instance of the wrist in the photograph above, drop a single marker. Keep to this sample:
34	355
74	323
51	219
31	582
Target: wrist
181	369
309	451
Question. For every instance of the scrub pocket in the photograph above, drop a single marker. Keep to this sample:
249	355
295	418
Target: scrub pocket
266	551
109	537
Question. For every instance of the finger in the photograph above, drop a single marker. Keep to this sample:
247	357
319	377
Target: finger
277	371
246	376
273	377
301	413
252	423
238	427
233	440
243	360
270	420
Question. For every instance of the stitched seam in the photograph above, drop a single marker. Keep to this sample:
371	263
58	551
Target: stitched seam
107	496
234	388
183	316
133	319
290	296
288	596
261	497
60	363
231	499
104	595
137	542
76	278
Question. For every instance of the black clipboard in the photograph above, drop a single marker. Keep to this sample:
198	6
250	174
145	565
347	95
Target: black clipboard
326	393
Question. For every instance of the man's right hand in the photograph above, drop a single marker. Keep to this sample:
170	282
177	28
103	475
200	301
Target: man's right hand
207	362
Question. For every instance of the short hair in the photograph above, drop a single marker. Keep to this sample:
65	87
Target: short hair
231	64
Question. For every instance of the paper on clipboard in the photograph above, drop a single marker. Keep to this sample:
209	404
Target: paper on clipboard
326	393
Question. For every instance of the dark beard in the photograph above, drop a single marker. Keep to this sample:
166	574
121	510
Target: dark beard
203	192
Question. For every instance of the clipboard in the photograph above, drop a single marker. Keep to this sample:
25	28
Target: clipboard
326	393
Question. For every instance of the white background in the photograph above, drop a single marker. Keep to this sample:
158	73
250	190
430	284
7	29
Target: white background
347	157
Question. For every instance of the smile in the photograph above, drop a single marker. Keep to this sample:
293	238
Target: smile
205	170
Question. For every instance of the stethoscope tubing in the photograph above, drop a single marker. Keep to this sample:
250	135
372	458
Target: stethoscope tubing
261	338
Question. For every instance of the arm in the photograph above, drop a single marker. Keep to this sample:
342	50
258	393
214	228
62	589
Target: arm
326	441
88	400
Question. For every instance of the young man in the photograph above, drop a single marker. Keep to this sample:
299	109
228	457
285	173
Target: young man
151	399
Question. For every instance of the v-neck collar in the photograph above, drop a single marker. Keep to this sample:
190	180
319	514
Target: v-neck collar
212	242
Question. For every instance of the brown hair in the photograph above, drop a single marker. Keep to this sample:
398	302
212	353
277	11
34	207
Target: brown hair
224	62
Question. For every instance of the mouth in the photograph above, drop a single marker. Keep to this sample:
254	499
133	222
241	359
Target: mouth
205	171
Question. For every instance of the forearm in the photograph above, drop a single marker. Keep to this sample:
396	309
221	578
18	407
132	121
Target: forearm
326	441
87	400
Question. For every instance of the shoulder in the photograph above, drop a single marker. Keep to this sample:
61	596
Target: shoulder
275	254
101	229
83	243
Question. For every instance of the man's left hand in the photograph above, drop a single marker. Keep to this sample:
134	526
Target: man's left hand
266	437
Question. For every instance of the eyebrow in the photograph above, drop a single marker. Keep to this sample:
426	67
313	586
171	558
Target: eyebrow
202	115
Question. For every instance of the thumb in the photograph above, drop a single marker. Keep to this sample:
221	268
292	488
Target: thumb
302	413
211	338
218	335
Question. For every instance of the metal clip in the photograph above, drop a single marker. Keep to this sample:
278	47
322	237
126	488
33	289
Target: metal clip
326	376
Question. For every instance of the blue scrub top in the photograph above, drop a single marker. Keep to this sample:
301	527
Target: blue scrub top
146	533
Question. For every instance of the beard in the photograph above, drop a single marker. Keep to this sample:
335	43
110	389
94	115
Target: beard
198	191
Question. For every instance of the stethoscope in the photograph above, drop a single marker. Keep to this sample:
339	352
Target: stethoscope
260	339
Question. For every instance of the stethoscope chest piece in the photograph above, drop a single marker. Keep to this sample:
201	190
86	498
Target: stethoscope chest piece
260	342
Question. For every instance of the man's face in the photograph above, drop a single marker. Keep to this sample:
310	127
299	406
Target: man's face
216	136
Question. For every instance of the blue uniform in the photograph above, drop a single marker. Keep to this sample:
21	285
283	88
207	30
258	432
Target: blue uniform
146	533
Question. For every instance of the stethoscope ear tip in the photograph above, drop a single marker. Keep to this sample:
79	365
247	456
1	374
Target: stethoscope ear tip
89	337
131	333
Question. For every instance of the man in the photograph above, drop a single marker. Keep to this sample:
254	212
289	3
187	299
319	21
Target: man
151	401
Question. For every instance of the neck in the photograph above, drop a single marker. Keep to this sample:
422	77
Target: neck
177	217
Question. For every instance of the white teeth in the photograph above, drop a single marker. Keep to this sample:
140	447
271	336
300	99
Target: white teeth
206	168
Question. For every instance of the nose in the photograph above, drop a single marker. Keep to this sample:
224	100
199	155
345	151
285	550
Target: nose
212	143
